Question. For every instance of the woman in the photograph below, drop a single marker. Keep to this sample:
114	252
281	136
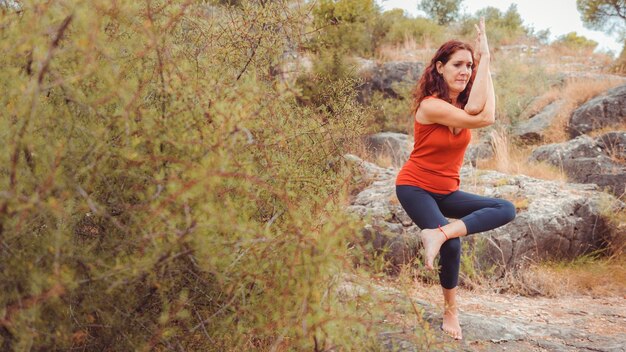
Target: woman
451	98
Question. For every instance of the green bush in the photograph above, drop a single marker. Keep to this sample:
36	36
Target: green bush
346	25
516	84
389	114
502	28
421	29
160	191
573	41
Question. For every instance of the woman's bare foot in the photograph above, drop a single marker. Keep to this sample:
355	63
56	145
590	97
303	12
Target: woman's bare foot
451	325
432	239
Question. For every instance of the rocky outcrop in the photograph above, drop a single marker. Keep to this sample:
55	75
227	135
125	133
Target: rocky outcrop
395	146
398	146
495	323
605	110
554	220
387	78
533	129
482	150
590	160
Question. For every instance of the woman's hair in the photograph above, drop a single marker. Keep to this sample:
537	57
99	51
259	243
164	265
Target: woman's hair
432	83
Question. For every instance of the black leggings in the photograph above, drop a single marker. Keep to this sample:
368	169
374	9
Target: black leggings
429	210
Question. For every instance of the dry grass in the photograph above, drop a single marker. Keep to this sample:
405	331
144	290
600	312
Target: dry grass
559	59
614	151
585	275
513	159
573	93
359	148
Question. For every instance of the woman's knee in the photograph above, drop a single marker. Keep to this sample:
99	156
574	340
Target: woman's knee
508	210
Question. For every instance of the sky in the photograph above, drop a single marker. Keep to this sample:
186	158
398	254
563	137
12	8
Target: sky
560	16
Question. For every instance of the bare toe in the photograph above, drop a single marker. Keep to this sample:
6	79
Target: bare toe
451	326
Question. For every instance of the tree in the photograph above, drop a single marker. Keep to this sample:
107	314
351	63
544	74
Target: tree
605	15
442	11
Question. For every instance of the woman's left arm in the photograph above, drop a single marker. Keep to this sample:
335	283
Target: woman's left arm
481	87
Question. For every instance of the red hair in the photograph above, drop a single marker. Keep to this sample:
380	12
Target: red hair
432	83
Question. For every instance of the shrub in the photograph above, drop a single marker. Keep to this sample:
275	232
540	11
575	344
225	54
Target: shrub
422	30
160	191
517	83
574	42
502	28
389	114
345	25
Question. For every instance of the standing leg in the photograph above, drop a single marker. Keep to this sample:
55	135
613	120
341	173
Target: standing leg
422	207
477	214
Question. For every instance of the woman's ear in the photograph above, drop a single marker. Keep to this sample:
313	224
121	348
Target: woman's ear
438	66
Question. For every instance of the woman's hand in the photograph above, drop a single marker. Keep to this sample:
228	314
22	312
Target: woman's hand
482	47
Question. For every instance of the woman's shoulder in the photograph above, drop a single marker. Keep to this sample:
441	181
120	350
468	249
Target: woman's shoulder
432	102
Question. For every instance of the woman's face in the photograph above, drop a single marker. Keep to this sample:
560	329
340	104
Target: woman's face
457	71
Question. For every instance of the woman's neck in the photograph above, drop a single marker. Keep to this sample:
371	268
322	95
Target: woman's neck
453	98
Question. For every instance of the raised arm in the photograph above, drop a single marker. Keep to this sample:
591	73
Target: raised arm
481	87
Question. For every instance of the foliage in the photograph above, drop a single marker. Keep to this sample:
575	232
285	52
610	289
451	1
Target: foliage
441	11
620	64
573	41
332	77
161	191
503	28
605	15
345	25
516	85
392	114
398	28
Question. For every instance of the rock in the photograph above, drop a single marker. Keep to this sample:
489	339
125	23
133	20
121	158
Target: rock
501	323
387	77
554	220
478	151
588	160
396	146
398	245
532	130
614	143
602	111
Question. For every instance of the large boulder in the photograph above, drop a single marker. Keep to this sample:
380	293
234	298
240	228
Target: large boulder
605	110
589	160
533	129
388	77
395	146
481	150
554	220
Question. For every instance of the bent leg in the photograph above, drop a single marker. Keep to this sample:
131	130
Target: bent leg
479	213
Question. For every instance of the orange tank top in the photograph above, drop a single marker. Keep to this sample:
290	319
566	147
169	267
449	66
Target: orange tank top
436	159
